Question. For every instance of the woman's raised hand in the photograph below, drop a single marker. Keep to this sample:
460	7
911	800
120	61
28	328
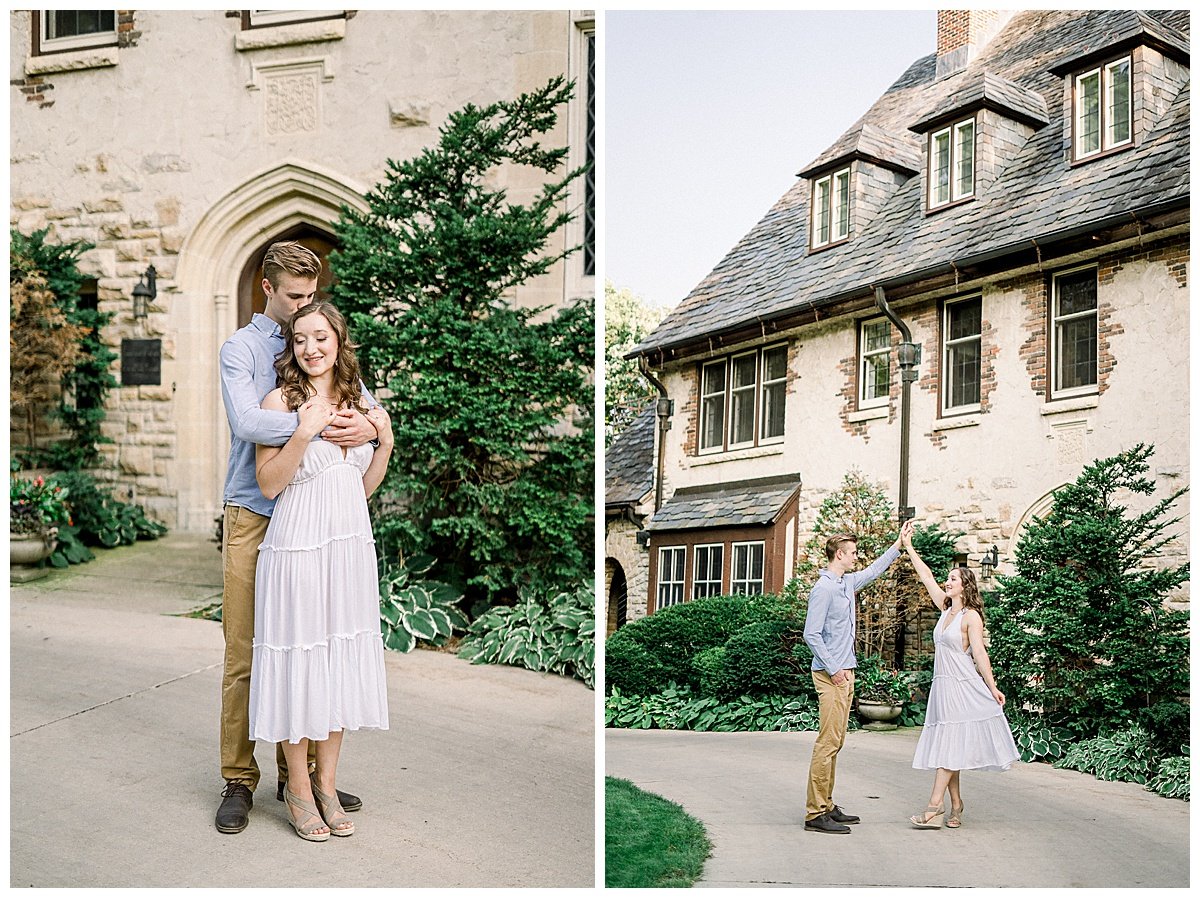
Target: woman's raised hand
906	533
315	415
383	425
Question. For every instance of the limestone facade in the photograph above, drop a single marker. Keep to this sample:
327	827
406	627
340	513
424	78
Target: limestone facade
192	142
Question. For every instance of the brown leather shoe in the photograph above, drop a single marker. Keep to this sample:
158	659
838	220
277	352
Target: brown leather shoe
234	813
345	799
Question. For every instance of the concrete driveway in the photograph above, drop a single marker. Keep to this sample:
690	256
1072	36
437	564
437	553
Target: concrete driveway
1031	826
486	777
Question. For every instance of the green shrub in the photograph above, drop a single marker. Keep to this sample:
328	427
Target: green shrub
555	633
630	666
1038	740
1125	756
98	519
757	662
710	666
1172	778
413	610
1168	722
679	708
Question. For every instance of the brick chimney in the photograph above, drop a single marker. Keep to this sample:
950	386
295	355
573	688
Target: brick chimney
961	34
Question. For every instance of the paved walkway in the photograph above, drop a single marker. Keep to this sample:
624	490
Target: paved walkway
486	777
1031	826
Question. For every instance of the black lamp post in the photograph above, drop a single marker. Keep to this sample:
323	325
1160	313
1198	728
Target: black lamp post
144	293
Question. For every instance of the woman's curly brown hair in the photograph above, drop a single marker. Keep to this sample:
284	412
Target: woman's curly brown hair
347	382
971	597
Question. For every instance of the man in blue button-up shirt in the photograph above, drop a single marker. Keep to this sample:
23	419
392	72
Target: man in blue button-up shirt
829	630
290	273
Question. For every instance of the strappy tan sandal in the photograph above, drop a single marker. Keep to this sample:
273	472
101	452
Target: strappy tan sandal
333	813
931	819
312	821
954	820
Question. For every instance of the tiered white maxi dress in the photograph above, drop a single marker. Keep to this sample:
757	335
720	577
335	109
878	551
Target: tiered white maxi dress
965	727
318	652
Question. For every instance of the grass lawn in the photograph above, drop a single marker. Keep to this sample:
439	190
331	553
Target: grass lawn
649	841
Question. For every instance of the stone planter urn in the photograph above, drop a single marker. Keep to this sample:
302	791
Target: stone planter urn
27	554
879	715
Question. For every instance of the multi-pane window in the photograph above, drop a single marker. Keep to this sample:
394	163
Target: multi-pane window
961	354
874	372
706	571
831	208
589	179
746	575
1074	317
742	399
1103	108
670	575
265	18
74	29
952	163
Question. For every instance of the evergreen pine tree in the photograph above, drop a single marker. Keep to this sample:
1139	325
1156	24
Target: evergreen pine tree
1081	632
491	402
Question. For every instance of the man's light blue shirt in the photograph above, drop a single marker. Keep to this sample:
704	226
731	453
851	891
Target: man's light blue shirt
830	622
247	375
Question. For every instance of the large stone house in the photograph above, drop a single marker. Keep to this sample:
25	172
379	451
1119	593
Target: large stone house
192	140
1019	202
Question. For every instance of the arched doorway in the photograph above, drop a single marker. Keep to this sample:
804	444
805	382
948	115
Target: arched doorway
250	298
217	265
618	597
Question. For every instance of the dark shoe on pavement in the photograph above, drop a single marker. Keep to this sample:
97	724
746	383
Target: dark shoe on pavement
822	824
234	812
837	815
345	799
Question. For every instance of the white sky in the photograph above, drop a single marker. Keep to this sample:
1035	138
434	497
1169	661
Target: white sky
709	115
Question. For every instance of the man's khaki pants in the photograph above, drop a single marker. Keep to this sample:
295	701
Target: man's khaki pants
835	716
243	532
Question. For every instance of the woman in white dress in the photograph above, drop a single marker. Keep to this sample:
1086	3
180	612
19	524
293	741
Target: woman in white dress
318	653
965	728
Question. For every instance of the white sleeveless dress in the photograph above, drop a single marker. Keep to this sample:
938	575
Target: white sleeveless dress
965	727
318	652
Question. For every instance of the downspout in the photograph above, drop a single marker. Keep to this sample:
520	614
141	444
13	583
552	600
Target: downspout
664	409
909	356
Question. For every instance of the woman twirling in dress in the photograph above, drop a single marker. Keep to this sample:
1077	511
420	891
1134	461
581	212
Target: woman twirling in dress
965	728
318	654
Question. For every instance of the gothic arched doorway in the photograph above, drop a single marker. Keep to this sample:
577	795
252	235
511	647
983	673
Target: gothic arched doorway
250	297
618	597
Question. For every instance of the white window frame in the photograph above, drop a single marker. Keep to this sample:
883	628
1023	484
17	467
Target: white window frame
864	355
48	44
824	190
955	161
1056	322
948	345
739	394
1104	90
704	406
776	383
268	18
741	586
675	594
707	584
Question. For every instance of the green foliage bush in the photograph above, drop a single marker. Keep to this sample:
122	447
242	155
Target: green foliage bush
1125	756
1037	740
1172	778
756	661
98	519
491	402
1080	632
414	610
555	633
680	708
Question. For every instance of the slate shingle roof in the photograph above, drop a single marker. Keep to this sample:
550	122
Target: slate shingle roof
742	504
989	89
629	462
867	141
1038	196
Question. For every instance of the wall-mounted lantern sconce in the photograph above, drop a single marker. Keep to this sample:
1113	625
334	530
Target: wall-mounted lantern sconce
144	293
643	538
989	562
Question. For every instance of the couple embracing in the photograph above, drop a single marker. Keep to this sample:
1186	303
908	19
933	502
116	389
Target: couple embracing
965	727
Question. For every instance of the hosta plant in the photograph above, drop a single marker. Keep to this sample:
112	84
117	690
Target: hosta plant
1124	756
1037	740
412	610
556	634
1173	777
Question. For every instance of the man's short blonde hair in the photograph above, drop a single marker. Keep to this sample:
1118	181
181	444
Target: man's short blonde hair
289	257
836	541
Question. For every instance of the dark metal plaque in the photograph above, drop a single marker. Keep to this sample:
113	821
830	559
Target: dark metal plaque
141	362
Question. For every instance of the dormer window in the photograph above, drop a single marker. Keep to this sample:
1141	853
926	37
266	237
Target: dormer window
1103	108
952	164
831	208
